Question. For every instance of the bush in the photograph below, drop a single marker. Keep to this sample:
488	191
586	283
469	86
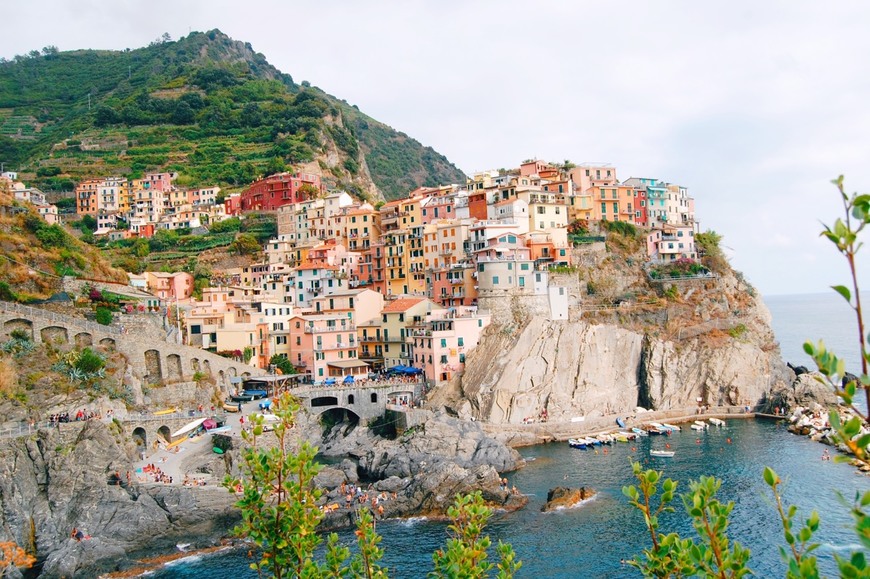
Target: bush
104	316
89	361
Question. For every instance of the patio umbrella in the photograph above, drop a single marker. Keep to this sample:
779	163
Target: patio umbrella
348	379
329	381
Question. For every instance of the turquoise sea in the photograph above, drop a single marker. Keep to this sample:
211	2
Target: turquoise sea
592	539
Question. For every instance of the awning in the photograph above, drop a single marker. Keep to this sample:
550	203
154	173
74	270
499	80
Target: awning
329	381
348	364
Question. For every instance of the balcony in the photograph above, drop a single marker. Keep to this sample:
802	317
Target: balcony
370	339
326	329
457	281
336	346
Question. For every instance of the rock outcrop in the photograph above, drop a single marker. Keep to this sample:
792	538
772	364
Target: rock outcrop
714	344
563	497
54	481
425	468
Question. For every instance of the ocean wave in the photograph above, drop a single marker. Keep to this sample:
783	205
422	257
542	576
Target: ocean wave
576	505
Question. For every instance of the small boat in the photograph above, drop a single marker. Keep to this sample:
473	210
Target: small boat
605	438
662	453
241	397
166	411
620	422
640	432
701	423
580	443
672	427
698	427
717	422
255	394
655	430
231	407
623	436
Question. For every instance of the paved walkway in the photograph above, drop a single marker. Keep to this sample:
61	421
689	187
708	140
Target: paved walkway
171	462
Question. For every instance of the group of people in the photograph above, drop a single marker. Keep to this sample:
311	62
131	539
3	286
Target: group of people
192	482
542	416
156	474
354	495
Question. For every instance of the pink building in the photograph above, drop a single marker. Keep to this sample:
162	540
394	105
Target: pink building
325	345
442	342
170	286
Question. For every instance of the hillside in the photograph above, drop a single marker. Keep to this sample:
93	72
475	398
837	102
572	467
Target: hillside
36	255
205	106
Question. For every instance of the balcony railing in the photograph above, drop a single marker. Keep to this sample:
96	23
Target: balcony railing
336	346
319	329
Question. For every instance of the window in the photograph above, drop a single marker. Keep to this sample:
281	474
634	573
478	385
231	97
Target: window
462	358
522	281
444	358
525	266
374	398
461	341
540	210
604	208
495	280
443	342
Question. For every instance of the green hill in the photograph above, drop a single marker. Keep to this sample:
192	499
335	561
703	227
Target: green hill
205	106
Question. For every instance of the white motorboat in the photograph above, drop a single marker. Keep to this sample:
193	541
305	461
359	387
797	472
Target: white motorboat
662	453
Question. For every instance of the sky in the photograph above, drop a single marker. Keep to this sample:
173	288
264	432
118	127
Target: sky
754	106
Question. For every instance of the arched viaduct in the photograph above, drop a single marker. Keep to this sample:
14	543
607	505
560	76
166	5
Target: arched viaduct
366	400
153	359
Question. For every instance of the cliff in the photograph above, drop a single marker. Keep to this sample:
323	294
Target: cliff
59	479
653	345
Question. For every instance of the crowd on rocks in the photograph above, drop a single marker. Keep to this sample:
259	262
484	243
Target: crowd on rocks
815	424
154	473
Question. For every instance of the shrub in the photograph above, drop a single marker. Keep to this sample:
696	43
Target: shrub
89	361
104	315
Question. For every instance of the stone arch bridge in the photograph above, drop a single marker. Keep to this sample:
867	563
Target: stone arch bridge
152	359
366	400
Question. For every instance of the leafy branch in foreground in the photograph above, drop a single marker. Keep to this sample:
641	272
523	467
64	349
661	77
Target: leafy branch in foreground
280	514
714	556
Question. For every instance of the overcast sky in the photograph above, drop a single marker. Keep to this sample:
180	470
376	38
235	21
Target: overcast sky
754	106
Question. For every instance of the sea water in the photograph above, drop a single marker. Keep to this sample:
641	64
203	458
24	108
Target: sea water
592	539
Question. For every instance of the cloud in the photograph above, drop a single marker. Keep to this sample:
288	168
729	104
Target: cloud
754	106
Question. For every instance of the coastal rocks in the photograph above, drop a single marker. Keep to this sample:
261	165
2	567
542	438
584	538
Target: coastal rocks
806	390
422	471
438	438
563	497
59	479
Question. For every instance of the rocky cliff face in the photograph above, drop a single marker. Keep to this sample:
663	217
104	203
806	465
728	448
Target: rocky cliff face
713	342
57	480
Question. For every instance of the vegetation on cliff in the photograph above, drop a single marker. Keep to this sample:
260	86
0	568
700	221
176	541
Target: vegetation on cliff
206	106
34	256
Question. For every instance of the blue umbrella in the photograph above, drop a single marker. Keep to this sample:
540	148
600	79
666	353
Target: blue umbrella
348	379
329	381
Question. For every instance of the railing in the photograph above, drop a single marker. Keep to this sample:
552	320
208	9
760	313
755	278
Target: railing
58	318
324	329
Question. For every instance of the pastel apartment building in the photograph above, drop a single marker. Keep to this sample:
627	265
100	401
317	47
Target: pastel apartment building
277	190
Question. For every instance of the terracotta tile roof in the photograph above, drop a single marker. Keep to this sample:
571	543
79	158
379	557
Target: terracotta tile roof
402	304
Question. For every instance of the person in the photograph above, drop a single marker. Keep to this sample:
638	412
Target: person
240	406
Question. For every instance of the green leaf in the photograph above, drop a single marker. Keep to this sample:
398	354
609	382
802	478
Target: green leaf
770	476
843	291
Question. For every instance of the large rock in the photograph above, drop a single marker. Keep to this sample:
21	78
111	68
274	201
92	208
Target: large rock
57	480
563	497
571	369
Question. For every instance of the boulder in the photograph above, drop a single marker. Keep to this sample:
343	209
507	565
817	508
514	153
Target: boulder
563	497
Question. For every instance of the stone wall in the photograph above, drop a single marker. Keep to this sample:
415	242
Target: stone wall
150	358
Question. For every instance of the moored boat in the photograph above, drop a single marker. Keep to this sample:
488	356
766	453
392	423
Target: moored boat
701	423
717	422
640	432
662	453
698	427
623	436
671	426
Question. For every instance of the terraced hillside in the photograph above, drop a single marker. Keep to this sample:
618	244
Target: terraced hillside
205	106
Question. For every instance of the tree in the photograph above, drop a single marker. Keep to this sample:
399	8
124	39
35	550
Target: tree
245	244
282	364
183	114
12	554
673	556
278	500
465	554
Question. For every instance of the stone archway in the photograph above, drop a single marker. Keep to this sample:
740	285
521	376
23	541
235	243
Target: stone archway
54	335
108	343
153	370
10	326
222	381
140	438
173	366
194	365
206	367
83	340
164	433
231	371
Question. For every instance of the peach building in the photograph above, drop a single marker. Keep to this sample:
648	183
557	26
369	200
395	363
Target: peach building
170	286
442	341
